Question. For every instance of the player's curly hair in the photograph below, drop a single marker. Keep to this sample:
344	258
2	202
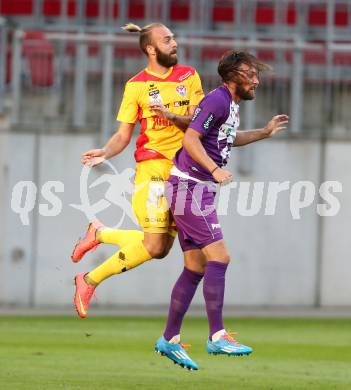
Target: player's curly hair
145	33
228	67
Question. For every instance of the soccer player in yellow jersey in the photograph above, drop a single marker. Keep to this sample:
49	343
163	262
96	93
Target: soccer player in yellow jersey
162	97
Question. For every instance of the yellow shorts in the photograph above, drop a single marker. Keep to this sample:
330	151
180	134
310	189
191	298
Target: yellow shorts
149	201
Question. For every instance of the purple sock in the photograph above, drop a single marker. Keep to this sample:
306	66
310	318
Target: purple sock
214	283
182	294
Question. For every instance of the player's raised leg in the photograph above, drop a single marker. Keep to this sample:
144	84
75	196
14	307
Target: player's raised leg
128	257
154	242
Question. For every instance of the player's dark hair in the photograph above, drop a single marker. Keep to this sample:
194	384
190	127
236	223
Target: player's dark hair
229	64
145	33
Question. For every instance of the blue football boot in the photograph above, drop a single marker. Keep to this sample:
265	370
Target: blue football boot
227	345
176	353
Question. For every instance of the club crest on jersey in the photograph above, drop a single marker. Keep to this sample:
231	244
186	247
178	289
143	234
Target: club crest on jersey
181	89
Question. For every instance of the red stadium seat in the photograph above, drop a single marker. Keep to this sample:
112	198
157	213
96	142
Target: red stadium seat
223	12
16	7
51	7
317	16
136	9
264	14
341	16
40	55
179	11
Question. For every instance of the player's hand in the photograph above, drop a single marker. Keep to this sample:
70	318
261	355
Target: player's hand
222	176
161	111
93	157
275	125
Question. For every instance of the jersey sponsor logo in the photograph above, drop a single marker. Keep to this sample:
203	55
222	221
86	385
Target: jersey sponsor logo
162	220
181	103
215	226
160	122
156	178
153	89
185	76
181	89
196	113
207	123
154	93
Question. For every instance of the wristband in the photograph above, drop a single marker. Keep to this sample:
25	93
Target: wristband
214	169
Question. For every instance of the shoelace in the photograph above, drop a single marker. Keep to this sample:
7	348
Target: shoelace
229	336
185	346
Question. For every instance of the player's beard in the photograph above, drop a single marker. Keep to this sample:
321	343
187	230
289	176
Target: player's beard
166	60
245	94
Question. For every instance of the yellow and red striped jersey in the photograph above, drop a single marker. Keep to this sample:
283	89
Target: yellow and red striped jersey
178	89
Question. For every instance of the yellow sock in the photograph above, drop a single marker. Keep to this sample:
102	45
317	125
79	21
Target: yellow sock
126	258
119	237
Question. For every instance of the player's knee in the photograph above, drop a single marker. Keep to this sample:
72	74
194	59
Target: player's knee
226	260
225	257
158	253
157	250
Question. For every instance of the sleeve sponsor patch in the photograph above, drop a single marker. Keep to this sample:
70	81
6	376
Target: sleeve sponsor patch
208	121
196	113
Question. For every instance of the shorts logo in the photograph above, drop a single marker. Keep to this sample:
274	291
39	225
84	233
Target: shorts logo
206	124
215	226
181	89
196	113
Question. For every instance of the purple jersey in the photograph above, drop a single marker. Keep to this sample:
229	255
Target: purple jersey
216	119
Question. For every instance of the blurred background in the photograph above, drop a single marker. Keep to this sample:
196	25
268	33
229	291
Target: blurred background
63	65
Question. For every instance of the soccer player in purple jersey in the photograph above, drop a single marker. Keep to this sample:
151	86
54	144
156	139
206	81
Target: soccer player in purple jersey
197	172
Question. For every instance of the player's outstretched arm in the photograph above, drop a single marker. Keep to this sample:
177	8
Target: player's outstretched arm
181	121
115	145
275	125
192	144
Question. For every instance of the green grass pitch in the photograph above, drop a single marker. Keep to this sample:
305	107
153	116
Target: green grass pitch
118	353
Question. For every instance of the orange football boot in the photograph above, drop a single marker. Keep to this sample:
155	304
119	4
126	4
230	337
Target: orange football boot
88	243
83	294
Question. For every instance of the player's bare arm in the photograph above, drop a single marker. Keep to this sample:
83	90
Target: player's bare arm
115	145
274	126
181	121
192	144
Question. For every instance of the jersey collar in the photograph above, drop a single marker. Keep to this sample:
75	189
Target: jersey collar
158	75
